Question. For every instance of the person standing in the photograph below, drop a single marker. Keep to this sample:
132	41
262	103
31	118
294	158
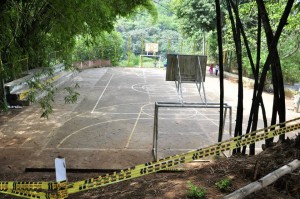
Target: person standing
217	69
211	69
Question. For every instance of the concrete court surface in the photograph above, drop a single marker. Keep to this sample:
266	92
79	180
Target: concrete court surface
111	125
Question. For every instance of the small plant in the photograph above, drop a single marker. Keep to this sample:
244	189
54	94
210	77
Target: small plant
195	192
72	96
224	184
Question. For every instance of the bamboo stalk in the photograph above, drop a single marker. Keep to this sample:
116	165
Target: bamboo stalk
265	181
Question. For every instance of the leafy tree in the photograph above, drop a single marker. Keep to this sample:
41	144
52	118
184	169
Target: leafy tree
245	20
34	29
195	16
144	28
104	46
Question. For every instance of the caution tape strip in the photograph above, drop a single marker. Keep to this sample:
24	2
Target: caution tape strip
29	185
165	163
35	189
29	194
33	186
29	189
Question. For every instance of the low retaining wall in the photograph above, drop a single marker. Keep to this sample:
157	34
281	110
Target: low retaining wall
92	64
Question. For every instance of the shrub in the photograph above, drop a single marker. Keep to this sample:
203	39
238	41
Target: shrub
195	192
224	184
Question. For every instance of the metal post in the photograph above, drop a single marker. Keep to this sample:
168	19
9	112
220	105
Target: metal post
128	49
61	177
230	121
224	121
184	105
155	131
179	89
201	81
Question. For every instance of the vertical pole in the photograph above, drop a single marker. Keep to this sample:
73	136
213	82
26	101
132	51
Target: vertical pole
169	45
102	54
155	131
141	57
230	121
201	80
115	56
61	177
194	47
128	49
224	119
204	44
181	46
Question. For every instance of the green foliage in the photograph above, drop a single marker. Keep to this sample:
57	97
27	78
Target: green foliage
134	61
212	45
72	95
224	184
196	16
46	32
141	29
104	46
195	192
289	43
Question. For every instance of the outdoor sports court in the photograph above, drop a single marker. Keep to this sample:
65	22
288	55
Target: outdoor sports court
111	125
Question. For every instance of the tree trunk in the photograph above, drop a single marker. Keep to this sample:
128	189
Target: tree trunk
277	79
3	102
221	68
237	41
276	69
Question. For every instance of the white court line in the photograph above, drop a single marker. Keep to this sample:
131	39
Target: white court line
86	127
133	129
17	147
102	93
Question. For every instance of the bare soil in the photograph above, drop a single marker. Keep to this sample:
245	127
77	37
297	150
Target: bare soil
242	170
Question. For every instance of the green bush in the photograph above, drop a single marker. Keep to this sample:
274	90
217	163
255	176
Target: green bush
224	184
195	192
134	61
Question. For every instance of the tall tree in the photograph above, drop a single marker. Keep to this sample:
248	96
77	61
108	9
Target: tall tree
220	48
35	28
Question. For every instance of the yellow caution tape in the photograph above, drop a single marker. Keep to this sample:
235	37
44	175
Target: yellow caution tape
29	194
165	163
29	189
29	185
32	189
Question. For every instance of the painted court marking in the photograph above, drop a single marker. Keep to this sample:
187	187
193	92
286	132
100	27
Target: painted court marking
135	124
102	93
151	90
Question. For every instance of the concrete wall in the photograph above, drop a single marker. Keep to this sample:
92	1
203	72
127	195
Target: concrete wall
92	64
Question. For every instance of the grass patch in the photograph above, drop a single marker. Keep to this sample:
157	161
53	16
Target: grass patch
224	184
195	192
